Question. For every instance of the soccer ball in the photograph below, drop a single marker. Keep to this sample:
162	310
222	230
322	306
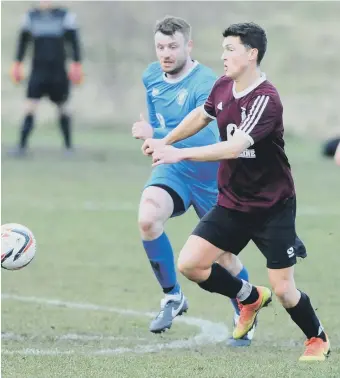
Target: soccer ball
18	246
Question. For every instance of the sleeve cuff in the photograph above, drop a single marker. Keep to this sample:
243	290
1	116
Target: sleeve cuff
207	114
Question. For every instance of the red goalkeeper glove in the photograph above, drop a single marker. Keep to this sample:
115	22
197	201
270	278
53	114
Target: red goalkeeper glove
17	72
75	73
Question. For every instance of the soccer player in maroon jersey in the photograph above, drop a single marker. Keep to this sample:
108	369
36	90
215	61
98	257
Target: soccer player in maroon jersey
256	189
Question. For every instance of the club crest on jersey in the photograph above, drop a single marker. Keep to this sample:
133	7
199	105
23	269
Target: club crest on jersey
243	114
155	92
182	96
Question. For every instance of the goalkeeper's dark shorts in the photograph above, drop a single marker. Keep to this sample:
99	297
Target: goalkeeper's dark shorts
51	83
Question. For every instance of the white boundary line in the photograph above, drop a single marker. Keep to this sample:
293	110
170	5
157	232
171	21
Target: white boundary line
67	337
210	332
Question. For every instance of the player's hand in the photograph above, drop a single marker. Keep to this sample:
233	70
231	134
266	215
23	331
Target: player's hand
17	72
150	145
142	129
166	155
75	73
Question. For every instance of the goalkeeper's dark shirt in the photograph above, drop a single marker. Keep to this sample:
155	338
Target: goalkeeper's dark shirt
54	36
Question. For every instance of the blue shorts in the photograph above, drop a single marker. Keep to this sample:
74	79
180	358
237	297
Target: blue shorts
202	195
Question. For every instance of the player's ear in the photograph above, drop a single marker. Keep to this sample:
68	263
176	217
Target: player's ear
253	54
190	45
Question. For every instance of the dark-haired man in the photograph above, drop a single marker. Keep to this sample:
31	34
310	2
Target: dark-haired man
256	190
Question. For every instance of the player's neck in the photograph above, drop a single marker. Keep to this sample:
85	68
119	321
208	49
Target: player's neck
247	80
188	65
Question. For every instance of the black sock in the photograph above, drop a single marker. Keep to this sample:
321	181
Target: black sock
167	290
304	316
253	296
222	282
26	129
65	126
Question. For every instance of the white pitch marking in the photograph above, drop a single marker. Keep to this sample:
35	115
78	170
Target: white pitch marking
210	332
68	337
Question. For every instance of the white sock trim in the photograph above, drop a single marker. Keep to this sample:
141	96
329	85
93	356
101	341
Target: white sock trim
245	291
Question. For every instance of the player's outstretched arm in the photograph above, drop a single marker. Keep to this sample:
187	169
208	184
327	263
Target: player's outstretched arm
230	149
195	121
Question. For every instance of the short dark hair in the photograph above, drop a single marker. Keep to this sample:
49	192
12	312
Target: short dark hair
169	25
251	35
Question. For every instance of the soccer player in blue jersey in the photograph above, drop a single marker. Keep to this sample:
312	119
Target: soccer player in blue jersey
176	85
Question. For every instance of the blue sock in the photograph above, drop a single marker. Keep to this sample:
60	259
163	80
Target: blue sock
161	258
243	275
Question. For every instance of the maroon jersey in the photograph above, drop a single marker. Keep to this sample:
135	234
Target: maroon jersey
260	176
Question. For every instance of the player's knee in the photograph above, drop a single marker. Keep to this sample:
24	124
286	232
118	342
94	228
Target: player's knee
184	265
145	225
31	107
150	228
187	270
151	219
283	289
63	109
190	270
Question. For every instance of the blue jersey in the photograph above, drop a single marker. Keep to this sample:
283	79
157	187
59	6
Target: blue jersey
169	101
